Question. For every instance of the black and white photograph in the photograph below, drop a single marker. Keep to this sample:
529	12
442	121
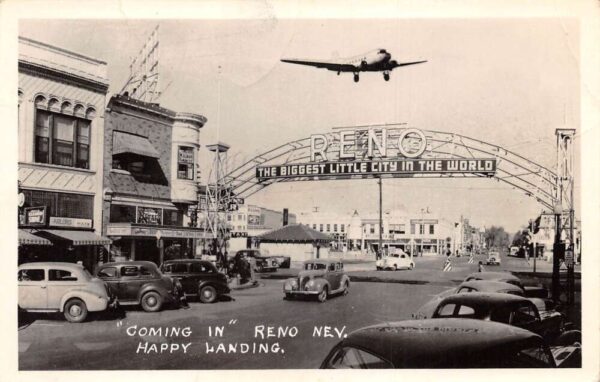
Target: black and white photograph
275	186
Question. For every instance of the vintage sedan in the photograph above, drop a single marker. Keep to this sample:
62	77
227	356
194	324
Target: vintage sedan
507	277
198	278
61	287
428	308
320	278
505	308
447	343
140	283
395	261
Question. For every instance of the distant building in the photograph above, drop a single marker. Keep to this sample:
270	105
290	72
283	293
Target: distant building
62	95
250	221
418	233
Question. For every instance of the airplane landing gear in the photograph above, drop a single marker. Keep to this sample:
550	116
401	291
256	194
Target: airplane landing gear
338	73
356	77
386	76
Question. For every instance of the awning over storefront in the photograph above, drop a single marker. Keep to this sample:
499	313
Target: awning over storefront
27	238
76	237
133	144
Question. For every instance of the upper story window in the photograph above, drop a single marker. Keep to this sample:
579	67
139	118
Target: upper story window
335	228
62	140
185	163
421	229
342	227
431	229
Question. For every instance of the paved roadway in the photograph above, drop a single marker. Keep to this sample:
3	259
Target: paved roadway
50	343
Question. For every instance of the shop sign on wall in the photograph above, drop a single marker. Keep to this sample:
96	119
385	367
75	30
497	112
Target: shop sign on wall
35	216
149	215
70	222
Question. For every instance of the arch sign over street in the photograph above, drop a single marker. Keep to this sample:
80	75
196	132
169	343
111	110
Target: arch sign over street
374	155
391	151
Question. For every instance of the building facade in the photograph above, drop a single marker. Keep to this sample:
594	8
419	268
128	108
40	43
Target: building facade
62	95
251	221
151	181
418	233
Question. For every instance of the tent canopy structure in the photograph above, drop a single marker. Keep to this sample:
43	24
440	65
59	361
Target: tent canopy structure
296	233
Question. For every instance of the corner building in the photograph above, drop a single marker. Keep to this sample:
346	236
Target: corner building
62	95
150	180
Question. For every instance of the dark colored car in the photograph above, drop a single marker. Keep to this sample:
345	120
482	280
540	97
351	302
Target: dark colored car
447	343
505	308
261	262
507	277
139	283
198	278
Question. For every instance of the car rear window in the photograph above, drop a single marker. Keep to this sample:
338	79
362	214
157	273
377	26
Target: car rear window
145	271
353	358
31	275
60	275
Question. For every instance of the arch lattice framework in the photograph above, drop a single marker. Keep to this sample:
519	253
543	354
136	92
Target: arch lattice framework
513	169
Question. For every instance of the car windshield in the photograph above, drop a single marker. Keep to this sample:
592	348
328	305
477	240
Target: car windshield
314	266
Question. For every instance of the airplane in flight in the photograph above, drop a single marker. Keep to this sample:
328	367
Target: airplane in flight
378	60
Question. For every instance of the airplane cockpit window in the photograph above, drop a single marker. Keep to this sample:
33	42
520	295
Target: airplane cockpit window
382	51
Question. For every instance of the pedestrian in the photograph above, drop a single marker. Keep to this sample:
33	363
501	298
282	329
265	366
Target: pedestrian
480	266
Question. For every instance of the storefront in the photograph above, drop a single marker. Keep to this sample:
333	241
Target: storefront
46	237
156	243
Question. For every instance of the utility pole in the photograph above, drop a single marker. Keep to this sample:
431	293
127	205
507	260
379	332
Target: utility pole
378	256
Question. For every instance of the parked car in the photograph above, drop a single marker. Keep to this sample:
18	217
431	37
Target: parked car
493	258
447	343
507	277
395	261
501	307
198	278
427	309
140	283
261	262
320	278
61	287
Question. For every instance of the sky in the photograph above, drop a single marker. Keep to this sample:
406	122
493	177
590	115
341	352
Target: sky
509	82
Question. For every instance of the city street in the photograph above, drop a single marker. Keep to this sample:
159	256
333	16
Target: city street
110	342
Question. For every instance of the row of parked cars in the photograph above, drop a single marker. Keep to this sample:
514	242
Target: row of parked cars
491	320
46	287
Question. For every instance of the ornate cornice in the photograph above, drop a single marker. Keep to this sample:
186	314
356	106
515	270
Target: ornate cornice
63	76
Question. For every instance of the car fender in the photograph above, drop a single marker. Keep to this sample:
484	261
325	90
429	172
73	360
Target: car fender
345	279
320	284
93	301
216	285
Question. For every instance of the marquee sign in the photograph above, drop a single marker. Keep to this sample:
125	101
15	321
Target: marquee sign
373	152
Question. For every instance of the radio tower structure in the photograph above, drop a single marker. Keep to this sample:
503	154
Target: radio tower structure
142	83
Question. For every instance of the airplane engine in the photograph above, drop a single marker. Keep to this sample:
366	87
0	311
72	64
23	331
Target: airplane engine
393	63
363	64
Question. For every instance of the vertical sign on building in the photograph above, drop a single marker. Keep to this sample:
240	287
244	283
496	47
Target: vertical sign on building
285	217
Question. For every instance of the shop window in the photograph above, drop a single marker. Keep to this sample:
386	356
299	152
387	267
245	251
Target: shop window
62	140
172	217
61	204
122	214
149	215
431	229
185	163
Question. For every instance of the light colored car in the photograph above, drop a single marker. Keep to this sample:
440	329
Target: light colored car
395	261
47	287
320	278
493	258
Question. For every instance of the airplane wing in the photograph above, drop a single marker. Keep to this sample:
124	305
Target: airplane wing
335	66
394	64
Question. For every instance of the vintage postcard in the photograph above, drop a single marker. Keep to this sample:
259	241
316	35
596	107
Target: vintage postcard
275	187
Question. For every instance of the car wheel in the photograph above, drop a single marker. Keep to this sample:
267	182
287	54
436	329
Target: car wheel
346	288
322	296
75	310
151	302
208	294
